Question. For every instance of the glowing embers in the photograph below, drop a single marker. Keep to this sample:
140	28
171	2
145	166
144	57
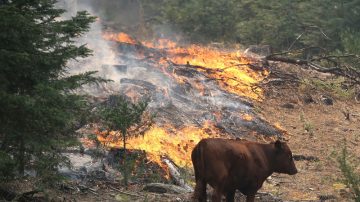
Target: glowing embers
247	117
231	69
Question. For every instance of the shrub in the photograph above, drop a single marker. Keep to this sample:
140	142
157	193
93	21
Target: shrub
348	166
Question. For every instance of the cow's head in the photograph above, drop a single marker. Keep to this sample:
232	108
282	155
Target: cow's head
284	162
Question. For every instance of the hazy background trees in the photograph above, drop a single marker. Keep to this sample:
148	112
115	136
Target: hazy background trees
284	24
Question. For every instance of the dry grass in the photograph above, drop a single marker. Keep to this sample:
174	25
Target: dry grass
318	130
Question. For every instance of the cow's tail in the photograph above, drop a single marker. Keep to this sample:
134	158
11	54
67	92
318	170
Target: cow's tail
197	157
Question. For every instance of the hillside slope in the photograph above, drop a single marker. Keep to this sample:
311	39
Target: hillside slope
317	132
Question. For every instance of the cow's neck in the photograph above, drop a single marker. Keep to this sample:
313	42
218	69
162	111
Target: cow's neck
269	151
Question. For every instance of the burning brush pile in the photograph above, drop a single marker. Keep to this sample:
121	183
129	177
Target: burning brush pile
195	92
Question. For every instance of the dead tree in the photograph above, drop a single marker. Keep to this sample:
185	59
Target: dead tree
337	67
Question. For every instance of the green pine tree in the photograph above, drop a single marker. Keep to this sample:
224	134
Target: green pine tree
39	109
119	115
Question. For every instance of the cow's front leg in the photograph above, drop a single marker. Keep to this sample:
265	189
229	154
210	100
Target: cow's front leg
230	196
250	198
216	196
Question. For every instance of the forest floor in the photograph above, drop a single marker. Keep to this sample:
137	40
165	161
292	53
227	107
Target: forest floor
315	130
317	133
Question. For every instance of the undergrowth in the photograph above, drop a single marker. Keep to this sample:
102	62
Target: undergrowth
308	126
349	167
335	87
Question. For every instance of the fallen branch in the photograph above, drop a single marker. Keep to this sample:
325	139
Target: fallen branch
297	51
27	196
30	193
286	59
175	174
300	157
126	193
348	72
85	188
164	188
334	70
335	56
208	70
93	192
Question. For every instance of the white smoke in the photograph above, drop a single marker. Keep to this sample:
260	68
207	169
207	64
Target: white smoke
179	104
103	57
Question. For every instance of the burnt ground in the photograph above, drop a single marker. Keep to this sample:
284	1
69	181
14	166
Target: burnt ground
316	134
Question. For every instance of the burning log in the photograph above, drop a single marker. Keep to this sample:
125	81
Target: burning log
195	92
175	174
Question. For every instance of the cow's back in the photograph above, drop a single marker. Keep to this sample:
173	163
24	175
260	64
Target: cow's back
228	165
214	159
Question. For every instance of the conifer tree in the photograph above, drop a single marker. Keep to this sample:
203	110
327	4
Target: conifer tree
39	108
119	115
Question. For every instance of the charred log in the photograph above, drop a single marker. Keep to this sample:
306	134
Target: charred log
175	174
286	60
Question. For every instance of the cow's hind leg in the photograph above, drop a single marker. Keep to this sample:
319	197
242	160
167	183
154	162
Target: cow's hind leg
200	191
230	196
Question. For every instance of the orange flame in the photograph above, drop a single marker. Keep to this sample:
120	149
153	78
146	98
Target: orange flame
120	37
158	142
160	44
247	117
230	68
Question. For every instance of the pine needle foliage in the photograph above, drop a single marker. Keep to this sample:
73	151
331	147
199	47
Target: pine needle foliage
348	167
119	114
39	109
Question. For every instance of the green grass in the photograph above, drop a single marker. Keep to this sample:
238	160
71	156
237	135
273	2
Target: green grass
334	87
308	126
349	166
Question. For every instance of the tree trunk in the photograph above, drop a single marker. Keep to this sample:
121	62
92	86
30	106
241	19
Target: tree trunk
21	157
125	159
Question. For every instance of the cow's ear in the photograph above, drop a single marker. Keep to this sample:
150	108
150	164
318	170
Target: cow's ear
278	144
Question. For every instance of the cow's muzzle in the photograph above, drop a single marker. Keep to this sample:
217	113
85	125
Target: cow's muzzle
293	171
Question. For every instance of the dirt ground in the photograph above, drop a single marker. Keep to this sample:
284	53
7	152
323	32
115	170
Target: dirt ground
316	134
315	130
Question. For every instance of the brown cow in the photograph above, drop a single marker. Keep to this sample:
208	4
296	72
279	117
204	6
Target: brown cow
230	165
